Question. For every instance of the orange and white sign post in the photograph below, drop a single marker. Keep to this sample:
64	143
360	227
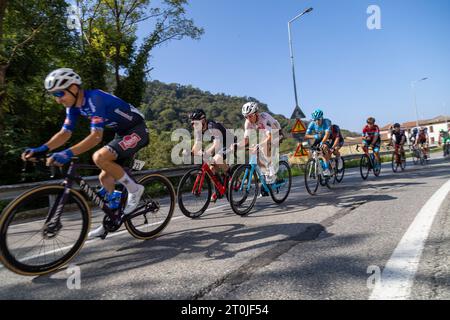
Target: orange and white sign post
298	132
301	152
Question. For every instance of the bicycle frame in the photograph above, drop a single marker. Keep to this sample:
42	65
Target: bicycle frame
367	153
397	153
249	173
198	184
71	177
317	155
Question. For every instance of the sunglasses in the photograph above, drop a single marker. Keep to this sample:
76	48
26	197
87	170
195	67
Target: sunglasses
58	94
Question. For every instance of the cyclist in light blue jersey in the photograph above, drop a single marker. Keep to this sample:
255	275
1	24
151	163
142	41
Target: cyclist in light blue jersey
319	129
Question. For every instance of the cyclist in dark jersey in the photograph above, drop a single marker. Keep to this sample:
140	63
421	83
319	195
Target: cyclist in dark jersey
398	138
336	140
104	111
219	140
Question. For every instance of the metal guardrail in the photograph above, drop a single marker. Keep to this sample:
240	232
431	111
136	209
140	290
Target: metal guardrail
8	192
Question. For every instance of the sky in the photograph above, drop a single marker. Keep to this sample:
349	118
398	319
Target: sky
342	67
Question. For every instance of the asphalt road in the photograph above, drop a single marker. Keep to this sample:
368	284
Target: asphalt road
331	246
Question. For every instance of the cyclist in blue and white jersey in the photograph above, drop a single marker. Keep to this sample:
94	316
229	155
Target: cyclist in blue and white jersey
104	111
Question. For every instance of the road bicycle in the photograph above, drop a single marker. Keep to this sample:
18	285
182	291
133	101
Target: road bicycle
338	164
368	163
315	167
398	159
248	182
45	227
194	190
424	156
417	155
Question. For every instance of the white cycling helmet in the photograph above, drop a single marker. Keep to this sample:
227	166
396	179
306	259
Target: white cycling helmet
249	108
61	79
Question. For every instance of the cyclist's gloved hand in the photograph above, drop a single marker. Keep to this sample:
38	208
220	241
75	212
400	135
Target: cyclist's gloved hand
316	136
62	157
39	151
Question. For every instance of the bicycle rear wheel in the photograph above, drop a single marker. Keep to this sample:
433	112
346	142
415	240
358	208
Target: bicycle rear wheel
280	190
156	207
194	199
340	169
29	244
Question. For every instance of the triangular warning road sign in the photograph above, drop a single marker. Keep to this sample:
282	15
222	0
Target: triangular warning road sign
300	152
298	113
299	127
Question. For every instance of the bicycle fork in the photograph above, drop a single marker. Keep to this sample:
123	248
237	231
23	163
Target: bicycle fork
52	223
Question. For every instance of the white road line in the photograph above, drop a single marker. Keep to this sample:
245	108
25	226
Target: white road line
398	275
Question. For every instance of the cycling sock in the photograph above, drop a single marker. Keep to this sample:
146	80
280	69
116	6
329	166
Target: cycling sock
128	183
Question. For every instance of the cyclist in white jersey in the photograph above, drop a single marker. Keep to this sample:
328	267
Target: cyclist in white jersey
255	120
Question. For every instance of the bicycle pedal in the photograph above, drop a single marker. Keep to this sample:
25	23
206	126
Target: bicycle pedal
264	193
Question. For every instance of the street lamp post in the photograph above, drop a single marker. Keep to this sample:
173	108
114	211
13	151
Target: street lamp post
292	51
413	85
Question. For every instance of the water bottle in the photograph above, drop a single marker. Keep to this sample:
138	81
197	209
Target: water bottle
102	193
114	199
322	163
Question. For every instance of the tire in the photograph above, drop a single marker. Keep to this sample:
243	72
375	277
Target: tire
377	171
340	172
233	168
158	189
394	163
241	198
184	190
285	175
415	157
364	167
311	177
31	209
403	162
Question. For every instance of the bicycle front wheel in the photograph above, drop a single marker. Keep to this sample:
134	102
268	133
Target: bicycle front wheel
394	162
30	243
193	194
243	190
311	177
377	168
364	167
157	205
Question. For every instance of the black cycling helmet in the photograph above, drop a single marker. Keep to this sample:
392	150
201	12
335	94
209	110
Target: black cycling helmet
397	125
198	114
